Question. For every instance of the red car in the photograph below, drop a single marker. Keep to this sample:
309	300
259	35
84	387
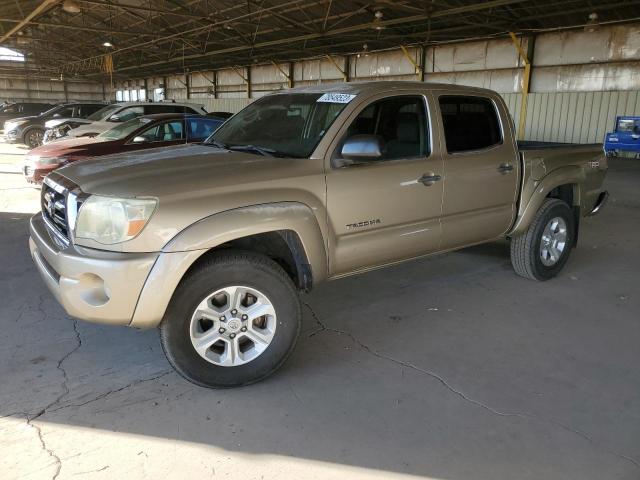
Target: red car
151	131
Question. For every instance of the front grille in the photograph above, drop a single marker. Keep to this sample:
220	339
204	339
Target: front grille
54	208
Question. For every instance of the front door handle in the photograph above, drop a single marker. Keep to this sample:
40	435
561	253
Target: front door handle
505	168
429	179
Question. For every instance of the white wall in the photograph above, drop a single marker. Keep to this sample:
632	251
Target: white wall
569	68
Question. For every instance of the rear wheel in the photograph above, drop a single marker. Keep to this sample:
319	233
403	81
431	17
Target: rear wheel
33	137
232	321
542	251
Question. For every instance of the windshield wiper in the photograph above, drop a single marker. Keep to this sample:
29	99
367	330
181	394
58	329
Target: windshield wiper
267	152
264	151
216	144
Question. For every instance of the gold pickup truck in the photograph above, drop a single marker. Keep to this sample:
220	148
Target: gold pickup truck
212	242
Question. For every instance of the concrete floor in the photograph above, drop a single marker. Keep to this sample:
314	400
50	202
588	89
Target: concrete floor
447	368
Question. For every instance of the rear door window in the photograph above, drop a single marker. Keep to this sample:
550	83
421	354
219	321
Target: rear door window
470	123
164	132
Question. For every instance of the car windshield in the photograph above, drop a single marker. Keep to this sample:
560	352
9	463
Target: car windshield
288	125
104	112
51	110
123	129
627	125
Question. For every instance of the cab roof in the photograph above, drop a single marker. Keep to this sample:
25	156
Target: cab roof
380	86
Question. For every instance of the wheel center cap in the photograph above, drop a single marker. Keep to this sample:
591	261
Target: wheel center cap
234	325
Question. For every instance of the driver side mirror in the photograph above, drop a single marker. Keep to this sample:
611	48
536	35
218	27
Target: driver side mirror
139	140
361	148
114	118
56	115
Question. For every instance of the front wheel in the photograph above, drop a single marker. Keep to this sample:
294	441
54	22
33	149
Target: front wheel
542	251
232	321
33	137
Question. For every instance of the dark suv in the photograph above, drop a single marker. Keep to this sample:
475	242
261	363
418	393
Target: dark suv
21	109
30	129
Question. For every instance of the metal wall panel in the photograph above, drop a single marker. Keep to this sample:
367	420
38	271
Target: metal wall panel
573	117
39	90
232	105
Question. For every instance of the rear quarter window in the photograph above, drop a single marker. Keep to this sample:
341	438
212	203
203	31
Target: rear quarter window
470	123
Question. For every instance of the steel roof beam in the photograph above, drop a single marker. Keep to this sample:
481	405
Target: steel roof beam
39	10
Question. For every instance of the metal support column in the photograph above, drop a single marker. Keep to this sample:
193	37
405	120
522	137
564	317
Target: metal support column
287	74
526	80
419	69
344	71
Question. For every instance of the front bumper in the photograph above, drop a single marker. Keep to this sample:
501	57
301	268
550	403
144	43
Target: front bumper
93	285
12	137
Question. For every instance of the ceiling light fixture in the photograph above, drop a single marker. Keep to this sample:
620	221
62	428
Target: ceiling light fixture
365	51
107	44
71	6
593	24
377	21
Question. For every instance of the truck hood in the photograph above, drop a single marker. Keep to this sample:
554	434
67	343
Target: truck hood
180	171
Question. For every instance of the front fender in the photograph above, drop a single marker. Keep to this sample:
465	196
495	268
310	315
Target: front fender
533	198
186	247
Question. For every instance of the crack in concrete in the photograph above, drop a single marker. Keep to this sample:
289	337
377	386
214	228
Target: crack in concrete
65	392
111	392
526	416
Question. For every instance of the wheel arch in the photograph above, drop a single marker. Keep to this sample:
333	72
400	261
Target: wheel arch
563	184
286	232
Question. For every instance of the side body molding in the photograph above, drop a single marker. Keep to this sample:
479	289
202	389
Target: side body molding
533	197
186	247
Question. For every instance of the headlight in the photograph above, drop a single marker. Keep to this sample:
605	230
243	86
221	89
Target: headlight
109	220
38	160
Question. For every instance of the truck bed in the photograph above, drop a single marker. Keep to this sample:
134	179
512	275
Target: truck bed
533	145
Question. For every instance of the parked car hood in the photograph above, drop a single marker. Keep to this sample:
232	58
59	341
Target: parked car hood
54	122
65	147
179	171
91	128
20	119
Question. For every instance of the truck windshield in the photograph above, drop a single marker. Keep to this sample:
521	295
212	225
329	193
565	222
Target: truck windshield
627	125
288	125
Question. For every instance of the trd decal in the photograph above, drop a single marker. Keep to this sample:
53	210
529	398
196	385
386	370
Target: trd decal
366	223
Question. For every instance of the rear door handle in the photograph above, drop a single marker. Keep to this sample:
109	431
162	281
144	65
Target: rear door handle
505	168
429	179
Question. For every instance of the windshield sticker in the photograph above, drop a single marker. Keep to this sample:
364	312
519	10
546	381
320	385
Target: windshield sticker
336	98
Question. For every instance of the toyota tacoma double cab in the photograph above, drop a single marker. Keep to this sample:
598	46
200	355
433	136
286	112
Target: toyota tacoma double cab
212	243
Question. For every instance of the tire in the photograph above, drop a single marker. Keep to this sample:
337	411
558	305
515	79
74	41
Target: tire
234	274
32	138
531	256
